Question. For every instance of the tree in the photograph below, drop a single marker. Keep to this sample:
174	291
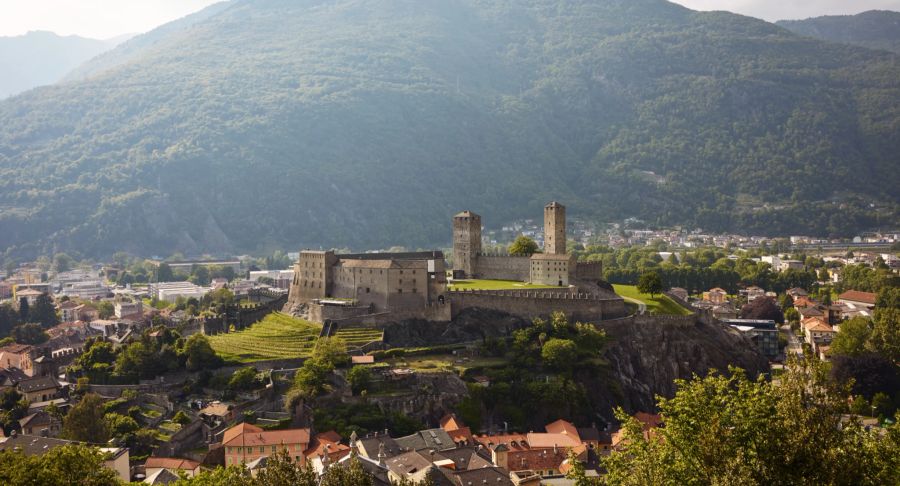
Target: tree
650	283
30	334
105	309
523	245
164	273
243	379
852	339
331	352
199	354
62	263
359	377
762	308
281	470
181	418
576	471
732	430
120	425
85	421
885	337
23	309
9	319
43	311
68	464
350	473
561	354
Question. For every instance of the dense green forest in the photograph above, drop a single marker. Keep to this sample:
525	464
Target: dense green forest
368	123
875	29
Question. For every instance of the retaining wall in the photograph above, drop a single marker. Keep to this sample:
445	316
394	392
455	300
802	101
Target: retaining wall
531	304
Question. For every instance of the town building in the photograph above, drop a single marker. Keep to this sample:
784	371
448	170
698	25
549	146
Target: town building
763	333
115	458
171	291
245	443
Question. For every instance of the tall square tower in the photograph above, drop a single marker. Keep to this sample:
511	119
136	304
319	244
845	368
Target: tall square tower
466	241
555	229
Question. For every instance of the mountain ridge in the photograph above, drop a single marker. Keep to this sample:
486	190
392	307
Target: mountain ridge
874	29
367	124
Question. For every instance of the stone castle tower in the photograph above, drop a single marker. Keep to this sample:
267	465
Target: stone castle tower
555	229
466	241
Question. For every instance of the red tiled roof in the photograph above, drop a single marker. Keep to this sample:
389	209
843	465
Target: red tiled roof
171	463
237	430
857	296
270	437
562	427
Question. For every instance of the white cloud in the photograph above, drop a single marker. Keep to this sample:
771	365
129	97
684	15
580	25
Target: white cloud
99	19
791	9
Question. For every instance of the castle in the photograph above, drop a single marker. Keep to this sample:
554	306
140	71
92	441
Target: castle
378	288
552	267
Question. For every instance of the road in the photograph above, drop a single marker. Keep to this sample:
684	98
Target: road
642	307
794	346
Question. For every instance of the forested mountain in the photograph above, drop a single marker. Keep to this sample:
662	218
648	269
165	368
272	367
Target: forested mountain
875	29
39	58
368	123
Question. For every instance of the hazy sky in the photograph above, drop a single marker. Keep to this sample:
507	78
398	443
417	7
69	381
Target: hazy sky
108	18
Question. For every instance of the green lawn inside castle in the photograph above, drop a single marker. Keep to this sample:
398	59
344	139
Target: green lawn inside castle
486	284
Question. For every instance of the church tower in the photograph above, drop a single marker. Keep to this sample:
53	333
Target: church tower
466	241
555	229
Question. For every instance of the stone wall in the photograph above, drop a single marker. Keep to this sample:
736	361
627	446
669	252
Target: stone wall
589	271
531	304
503	267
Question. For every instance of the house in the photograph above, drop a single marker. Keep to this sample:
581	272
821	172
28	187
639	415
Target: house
808	312
753	292
649	423
217	412
39	389
818	333
244	443
858	300
716	296
161	476
40	423
541	452
327	443
28	294
18	356
172	464
797	292
67	310
115	458
361	360
123	308
376	469
10	378
457	430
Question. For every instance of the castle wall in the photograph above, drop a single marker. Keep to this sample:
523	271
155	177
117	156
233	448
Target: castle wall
502	267
466	241
589	271
312	276
531	304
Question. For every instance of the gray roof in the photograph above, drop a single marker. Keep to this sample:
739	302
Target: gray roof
437	439
41	383
415	255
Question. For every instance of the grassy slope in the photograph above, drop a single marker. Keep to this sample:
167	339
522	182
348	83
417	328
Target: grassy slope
275	337
655	305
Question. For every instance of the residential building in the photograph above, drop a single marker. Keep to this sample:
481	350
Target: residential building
716	296
858	300
245	443
763	333
39	389
115	458
40	423
173	464
171	291
128	308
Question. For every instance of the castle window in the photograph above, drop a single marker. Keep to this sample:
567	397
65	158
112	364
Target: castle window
414	291
367	290
401	281
401	272
399	291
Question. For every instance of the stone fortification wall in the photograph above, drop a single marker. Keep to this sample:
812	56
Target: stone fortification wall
589	271
503	267
432	312
531	304
321	313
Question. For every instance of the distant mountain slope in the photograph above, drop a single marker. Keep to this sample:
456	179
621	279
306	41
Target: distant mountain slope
135	47
875	29
41	58
368	123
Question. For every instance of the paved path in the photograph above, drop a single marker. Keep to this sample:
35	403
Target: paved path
642	307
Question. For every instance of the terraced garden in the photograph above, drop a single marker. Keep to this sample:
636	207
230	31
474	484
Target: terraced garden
356	337
278	336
